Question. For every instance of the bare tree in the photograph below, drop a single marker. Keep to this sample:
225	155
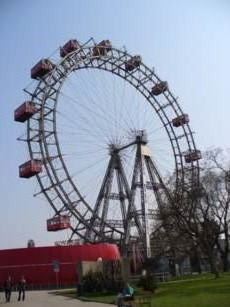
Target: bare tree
216	181
201	215
168	241
193	229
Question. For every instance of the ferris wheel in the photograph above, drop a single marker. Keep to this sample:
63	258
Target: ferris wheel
104	134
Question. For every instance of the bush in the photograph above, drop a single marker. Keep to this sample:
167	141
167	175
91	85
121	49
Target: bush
93	281
96	281
148	282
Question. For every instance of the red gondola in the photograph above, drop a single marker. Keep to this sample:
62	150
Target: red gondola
69	47
42	68
159	88
102	48
180	120
193	156
30	168
24	112
58	223
133	63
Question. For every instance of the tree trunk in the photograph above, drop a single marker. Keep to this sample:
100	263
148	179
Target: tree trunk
225	262
213	266
224	252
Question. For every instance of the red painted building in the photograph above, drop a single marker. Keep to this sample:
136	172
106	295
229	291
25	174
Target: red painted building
51	265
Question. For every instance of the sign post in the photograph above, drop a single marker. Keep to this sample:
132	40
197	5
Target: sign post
56	269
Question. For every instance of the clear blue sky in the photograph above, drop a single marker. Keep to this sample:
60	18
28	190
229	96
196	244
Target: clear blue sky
186	41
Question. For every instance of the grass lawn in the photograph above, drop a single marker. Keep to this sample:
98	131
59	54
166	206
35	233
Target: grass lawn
201	291
207	292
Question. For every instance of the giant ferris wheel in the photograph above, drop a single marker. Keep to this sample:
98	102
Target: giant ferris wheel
104	134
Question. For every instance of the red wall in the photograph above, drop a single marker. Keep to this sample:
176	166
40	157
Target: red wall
36	263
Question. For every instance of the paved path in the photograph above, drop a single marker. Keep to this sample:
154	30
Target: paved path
46	298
